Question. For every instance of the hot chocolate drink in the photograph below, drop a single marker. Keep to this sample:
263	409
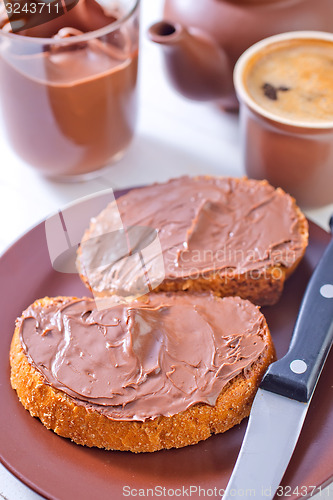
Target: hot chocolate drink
294	80
70	105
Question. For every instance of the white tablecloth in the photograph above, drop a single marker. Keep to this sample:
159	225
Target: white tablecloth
174	137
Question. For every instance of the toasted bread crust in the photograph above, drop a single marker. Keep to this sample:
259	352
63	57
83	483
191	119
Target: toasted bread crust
59	412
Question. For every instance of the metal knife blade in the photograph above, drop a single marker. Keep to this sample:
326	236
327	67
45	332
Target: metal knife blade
285	393
271	436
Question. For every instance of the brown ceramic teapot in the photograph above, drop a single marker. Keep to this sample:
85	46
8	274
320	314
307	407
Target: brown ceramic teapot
202	39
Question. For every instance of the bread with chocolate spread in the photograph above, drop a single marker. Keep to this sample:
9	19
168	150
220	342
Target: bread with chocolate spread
164	371
237	237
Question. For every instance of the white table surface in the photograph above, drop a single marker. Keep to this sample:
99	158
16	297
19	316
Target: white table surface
174	137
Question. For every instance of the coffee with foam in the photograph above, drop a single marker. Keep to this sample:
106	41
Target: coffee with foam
293	80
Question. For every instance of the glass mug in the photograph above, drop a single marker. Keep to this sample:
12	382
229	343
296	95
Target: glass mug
68	87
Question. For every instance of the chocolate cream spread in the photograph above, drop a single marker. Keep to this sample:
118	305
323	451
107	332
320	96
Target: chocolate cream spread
151	357
70	107
204	225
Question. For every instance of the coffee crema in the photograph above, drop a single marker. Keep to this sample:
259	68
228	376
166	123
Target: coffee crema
293	80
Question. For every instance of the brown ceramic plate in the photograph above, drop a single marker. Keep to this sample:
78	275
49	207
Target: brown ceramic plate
59	469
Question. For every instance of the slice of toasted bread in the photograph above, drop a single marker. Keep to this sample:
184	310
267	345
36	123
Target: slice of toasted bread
91	424
237	237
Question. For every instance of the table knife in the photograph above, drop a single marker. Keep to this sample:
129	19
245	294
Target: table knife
284	395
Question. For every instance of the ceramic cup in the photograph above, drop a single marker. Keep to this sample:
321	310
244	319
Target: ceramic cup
294	154
68	87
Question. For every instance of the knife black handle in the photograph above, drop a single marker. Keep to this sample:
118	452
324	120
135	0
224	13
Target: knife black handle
296	374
